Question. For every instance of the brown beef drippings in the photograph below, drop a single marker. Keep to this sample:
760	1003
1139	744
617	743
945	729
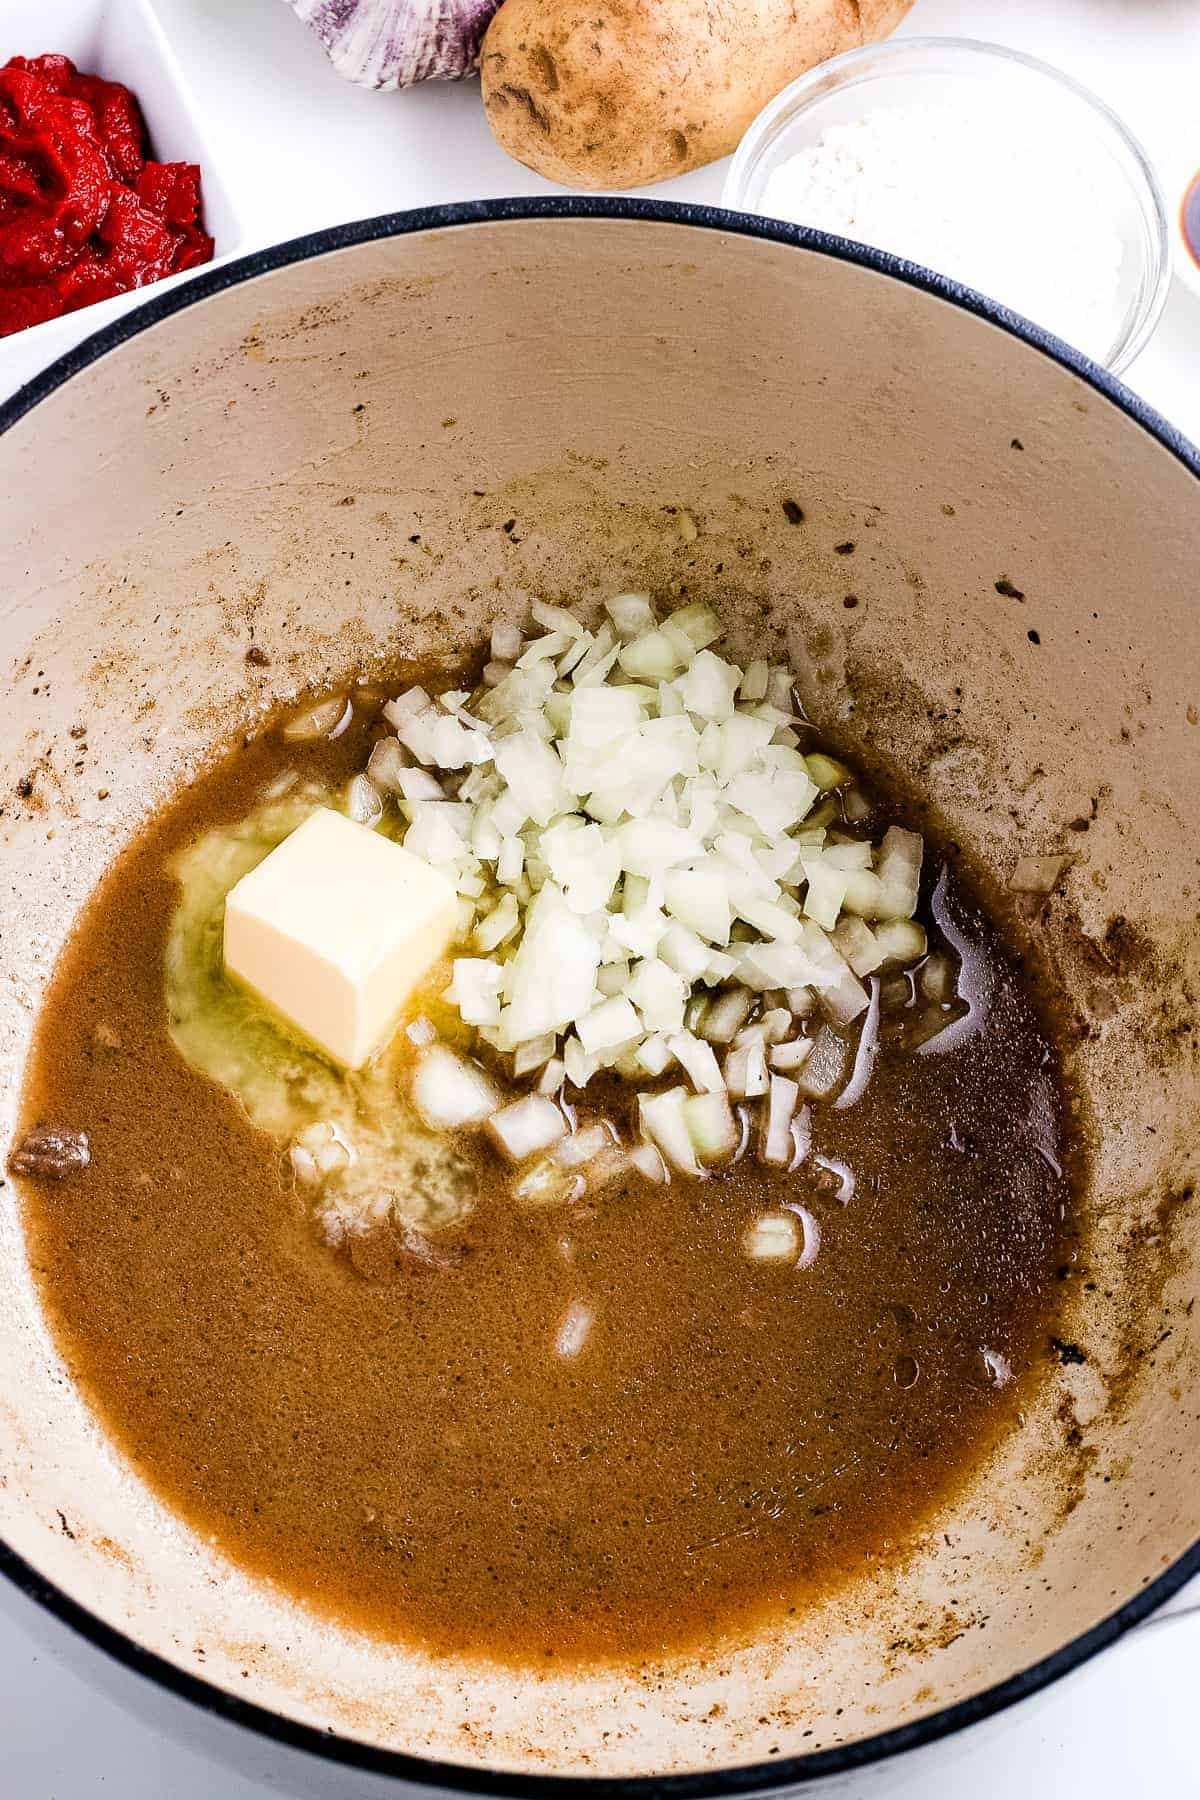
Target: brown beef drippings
391	1437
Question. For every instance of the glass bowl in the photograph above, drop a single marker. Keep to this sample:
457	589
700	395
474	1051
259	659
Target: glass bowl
924	72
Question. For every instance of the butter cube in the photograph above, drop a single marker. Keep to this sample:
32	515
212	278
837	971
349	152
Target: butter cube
334	929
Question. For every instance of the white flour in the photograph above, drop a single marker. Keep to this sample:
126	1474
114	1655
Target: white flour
1004	203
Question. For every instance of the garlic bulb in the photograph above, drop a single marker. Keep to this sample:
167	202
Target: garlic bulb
395	43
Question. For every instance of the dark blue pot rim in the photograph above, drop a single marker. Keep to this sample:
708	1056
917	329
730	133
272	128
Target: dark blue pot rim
755	1778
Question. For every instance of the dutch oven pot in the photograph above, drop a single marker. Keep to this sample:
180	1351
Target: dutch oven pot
1026	645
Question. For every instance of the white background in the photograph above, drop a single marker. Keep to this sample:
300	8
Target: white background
300	149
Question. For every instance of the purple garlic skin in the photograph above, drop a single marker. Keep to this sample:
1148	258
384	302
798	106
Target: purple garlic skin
389	44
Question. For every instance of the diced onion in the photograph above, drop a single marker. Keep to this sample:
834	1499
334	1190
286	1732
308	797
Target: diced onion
591	668
711	1126
726	1016
653	1054
448	1091
324	1145
648	1161
844	998
407	705
418	784
573	1332
844	1173
552	978
533	774
858	944
777	1143
826	771
900	940
699	899
695	1010
686	953
812	1235
664	1122
864	893
581	1146
847	854
772	919
936	979
552	1076
694	627
326	719
754	681
779	689
699	1061
746	1071
708	683
499	924
385	764
660	995
631	614
652	869
899	870
364	802
475	990
774	1025
612	1022
651	657
579	1065
510	861
1037	874
526	1126
801	1138
556	618
507	642
825	1066
548	1184
864	1056
773	1237
533	1053
304	1163
825	892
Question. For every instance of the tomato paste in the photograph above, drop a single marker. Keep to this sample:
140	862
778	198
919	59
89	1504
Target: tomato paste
84	214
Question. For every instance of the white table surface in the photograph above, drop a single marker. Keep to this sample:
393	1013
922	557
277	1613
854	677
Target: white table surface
301	150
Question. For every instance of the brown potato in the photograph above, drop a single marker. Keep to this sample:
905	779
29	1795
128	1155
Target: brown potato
616	93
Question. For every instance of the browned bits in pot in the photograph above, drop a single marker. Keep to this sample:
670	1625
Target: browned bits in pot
51	1153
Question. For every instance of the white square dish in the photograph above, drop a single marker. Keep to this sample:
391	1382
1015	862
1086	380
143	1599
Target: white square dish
121	40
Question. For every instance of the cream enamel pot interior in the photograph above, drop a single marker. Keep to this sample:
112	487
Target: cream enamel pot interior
321	447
